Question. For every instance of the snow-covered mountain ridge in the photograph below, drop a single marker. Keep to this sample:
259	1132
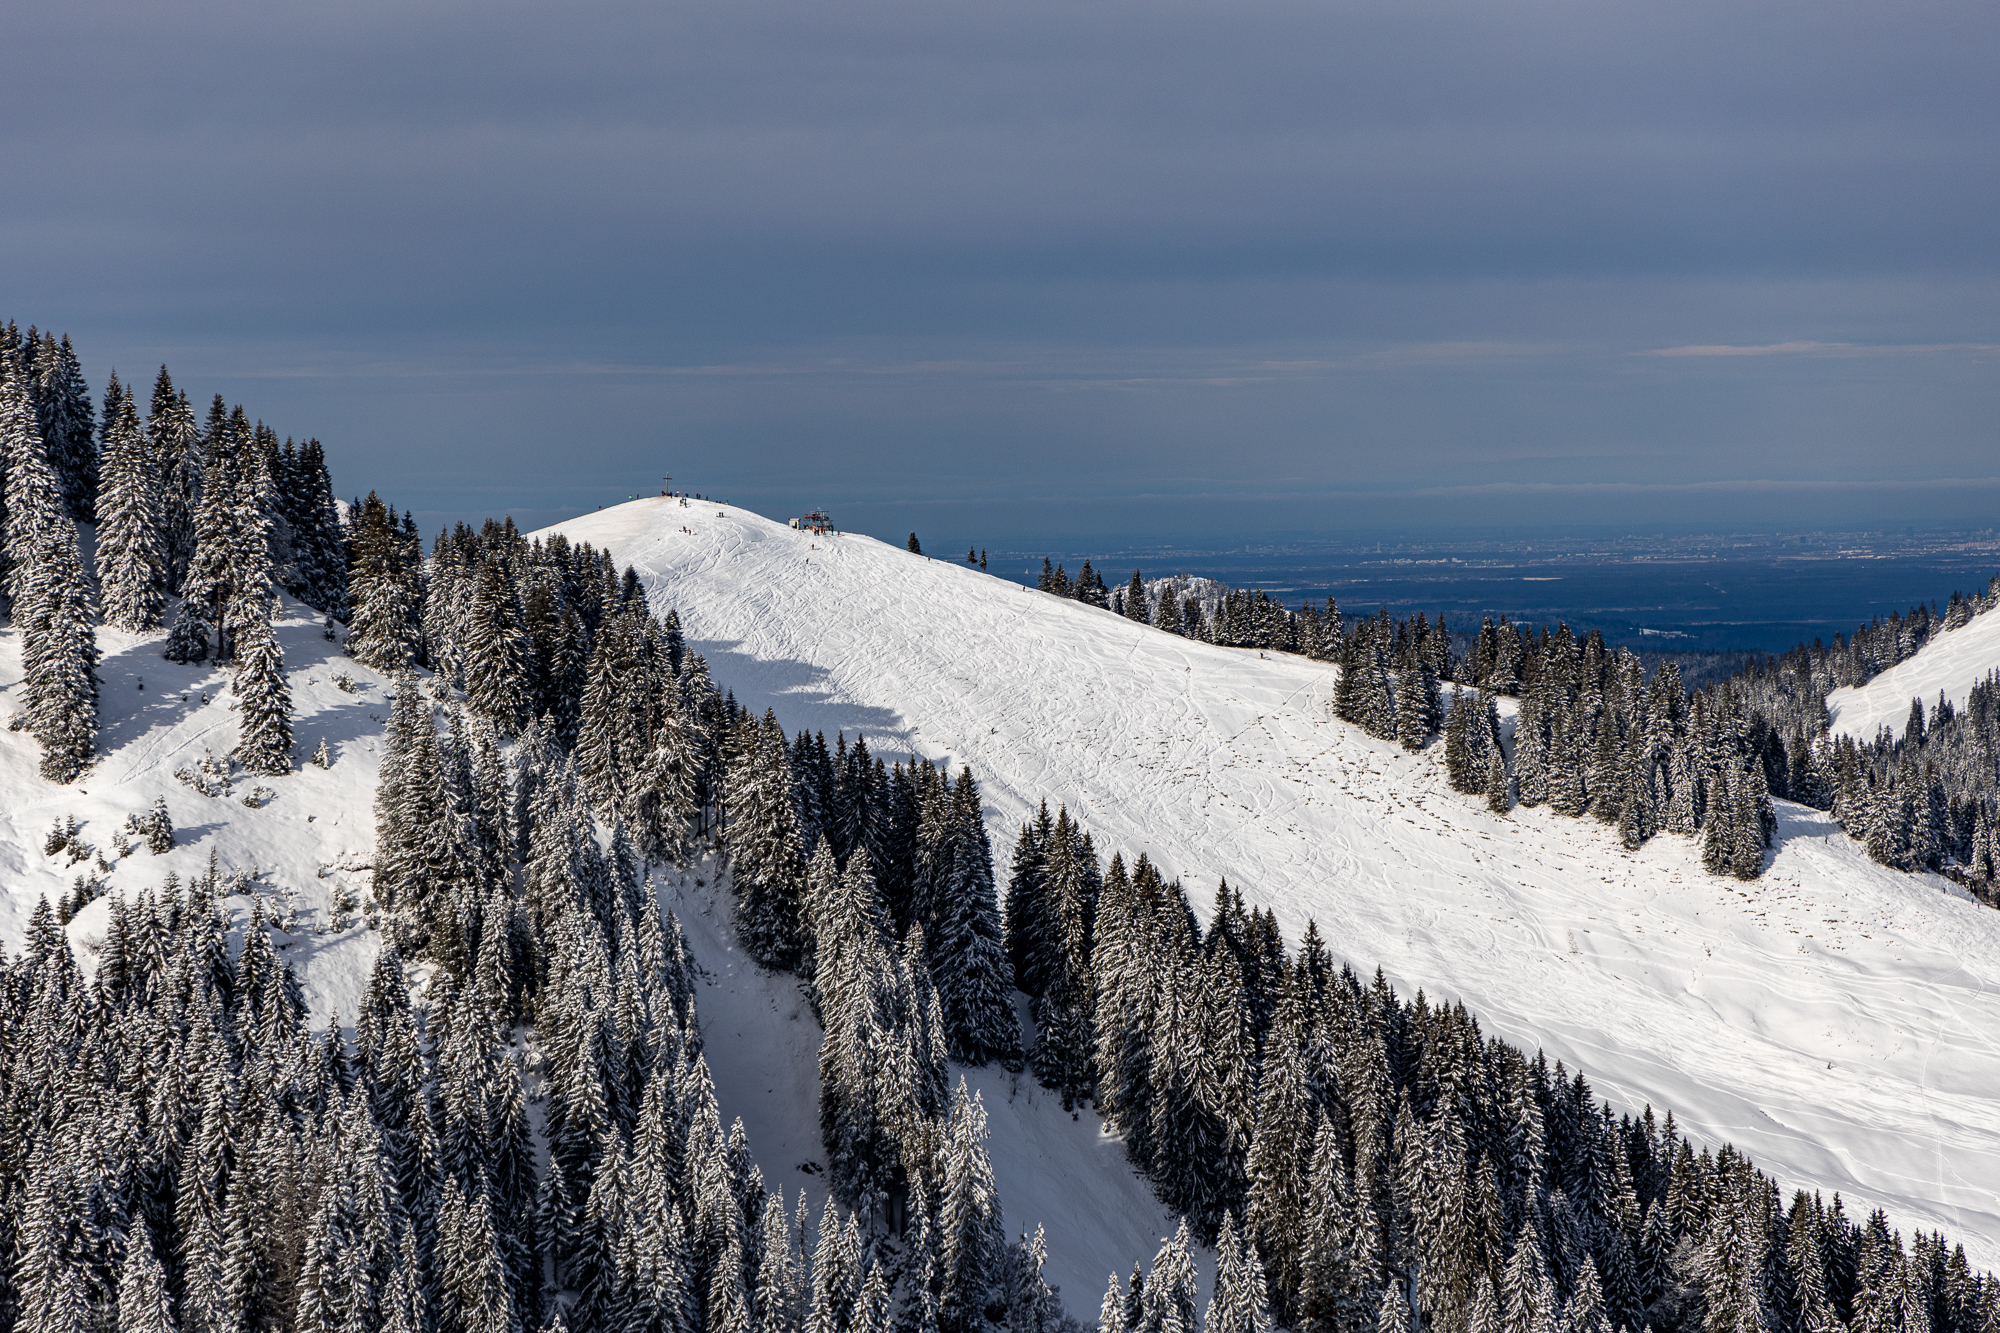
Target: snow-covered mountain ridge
1827	1018
1824	1018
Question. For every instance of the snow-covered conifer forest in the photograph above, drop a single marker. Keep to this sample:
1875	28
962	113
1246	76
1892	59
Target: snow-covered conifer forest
484	935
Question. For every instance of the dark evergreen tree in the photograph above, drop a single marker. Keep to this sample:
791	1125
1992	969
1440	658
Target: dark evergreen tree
131	533
50	594
968	952
496	650
767	863
264	702
384	630
63	412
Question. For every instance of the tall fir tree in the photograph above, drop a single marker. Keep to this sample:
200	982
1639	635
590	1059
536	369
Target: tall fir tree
264	701
63	412
175	438
49	591
968	957
496	650
131	539
384	631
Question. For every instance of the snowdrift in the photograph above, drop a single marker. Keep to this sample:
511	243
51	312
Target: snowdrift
1951	664
1831	1019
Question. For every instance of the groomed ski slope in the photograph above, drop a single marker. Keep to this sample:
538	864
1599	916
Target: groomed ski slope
1951	664
1834	1019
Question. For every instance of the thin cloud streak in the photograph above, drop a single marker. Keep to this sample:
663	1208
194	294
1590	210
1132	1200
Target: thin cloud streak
1822	349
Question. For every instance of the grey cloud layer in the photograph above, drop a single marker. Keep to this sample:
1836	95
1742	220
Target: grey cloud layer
1317	240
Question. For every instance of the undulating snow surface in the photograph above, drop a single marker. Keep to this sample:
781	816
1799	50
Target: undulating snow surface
1834	1019
1951	663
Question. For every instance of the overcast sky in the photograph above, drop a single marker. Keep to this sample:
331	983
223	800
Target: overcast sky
1004	270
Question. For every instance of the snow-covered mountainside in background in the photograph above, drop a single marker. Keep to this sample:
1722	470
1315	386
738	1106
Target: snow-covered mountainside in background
1833	1019
1951	663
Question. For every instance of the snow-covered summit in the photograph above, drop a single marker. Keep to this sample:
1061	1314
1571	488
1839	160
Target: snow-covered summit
1950	664
1827	1018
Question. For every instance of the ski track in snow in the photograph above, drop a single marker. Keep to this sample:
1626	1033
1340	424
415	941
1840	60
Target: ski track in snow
1830	1019
1951	664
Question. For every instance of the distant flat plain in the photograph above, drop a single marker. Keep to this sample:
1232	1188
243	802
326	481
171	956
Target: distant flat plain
1661	591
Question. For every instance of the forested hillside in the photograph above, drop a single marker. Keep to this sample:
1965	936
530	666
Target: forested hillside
262	1069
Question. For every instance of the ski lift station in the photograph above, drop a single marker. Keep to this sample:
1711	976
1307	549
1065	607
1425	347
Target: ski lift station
816	523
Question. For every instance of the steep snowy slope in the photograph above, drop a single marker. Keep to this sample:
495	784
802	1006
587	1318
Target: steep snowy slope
1951	664
1833	1019
308	843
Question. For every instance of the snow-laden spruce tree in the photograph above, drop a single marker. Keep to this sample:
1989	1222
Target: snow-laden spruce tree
1170	1293
767	864
1028	930
670	806
383	631
611	736
1065	1037
231	571
131	545
64	414
34	506
1238	1304
59	658
1275	1211
968	952
175	438
158	826
50	594
971	1238
496	652
319	545
142	1285
264	701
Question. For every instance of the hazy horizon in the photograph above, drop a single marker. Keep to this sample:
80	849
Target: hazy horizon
1045	269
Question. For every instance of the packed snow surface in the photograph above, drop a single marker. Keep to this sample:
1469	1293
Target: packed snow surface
1950	664
1833	1019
